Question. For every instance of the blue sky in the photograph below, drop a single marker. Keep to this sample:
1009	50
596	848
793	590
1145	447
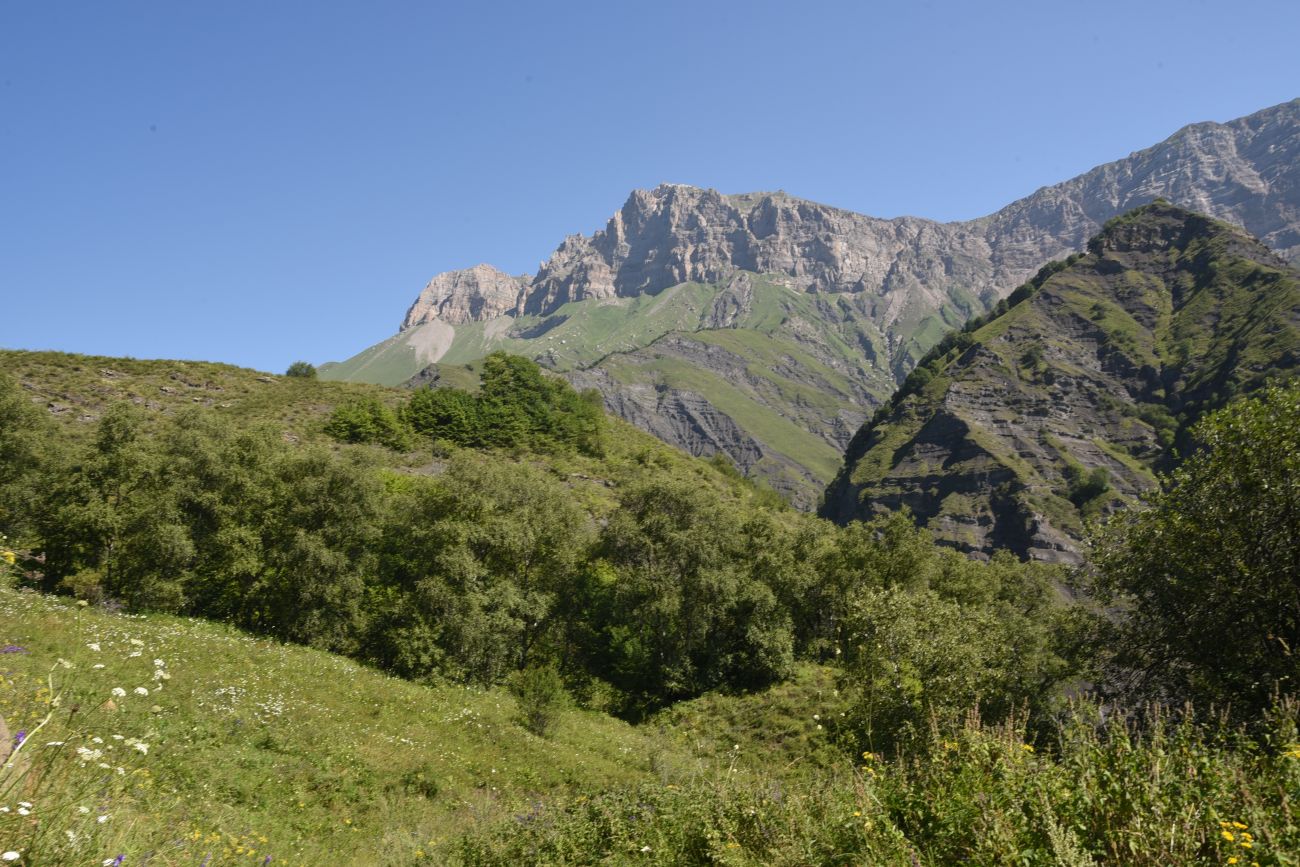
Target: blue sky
258	182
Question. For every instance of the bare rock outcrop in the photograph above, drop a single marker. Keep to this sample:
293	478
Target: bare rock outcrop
471	295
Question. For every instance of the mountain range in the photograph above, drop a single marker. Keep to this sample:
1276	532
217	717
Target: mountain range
770	328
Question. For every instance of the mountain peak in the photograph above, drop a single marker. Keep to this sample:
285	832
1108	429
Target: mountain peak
468	295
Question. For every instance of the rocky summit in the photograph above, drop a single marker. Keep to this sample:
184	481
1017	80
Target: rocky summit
768	327
1061	405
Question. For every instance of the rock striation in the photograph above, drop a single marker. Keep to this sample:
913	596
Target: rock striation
1011	434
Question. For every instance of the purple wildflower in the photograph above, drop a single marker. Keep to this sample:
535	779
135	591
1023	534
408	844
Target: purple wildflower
266	860
13	648
19	738
117	862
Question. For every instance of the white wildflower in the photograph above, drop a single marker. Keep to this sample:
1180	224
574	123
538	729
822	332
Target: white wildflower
158	663
63	663
83	810
94	645
102	819
137	642
140	690
98	665
142	747
134	654
11	855
23	811
118	692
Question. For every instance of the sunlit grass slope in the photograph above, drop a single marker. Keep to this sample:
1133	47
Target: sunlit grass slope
255	749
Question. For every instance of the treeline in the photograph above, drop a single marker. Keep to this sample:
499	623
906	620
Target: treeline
681	580
517	406
692	581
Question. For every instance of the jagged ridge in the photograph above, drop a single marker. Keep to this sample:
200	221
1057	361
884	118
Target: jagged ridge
876	294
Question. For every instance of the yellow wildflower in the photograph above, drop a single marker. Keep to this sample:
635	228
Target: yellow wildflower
8	556
1240	826
1227	835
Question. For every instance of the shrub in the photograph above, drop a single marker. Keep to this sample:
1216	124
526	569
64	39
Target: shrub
366	420
540	696
302	370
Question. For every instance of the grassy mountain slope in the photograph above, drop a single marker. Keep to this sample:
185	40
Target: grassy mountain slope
782	377
257	749
1020	428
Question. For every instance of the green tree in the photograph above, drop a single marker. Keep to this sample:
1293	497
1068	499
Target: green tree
24	438
302	370
366	420
446	413
1208	578
682	615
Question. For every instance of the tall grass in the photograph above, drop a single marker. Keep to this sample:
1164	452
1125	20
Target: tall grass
1165	789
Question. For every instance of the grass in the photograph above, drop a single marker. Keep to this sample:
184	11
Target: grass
253	749
285	751
78	388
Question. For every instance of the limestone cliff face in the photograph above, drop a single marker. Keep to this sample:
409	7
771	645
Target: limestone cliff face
471	295
997	439
676	234
1246	172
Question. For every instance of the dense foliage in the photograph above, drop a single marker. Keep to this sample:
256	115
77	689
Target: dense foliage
672	589
517	406
1209	575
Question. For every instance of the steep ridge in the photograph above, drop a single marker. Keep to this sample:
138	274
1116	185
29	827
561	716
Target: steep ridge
821	311
1061	406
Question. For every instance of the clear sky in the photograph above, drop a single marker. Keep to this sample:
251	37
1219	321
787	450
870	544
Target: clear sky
258	182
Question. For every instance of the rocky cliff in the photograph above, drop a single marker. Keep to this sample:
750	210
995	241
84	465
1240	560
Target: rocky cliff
471	295
1015	431
827	298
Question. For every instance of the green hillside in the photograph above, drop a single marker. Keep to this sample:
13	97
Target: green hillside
1063	405
572	644
795	372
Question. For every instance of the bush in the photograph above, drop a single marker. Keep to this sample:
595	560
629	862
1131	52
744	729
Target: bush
366	420
540	696
302	370
1084	487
